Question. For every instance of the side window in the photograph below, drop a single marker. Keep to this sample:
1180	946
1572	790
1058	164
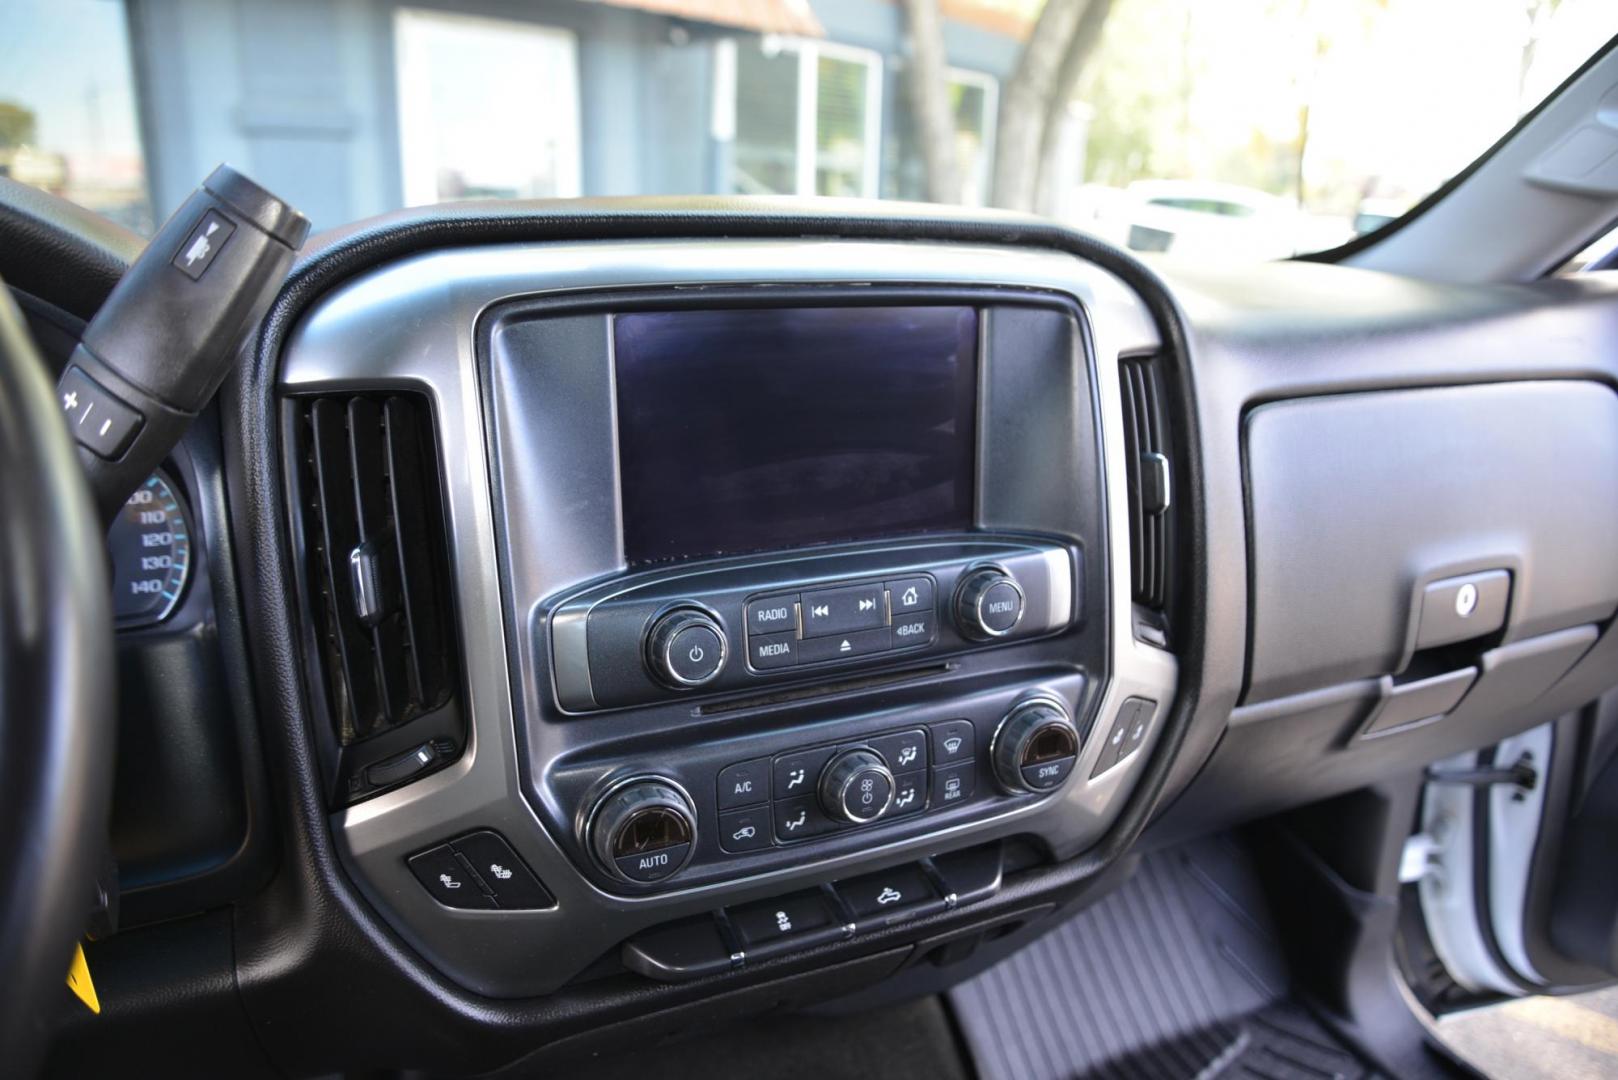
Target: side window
807	119
488	108
67	107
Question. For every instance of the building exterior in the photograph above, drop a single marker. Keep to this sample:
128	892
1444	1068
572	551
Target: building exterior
353	107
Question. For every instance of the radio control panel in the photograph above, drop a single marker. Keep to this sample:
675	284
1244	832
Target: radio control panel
744	624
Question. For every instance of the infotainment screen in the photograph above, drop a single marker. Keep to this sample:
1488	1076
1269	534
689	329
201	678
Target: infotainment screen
752	429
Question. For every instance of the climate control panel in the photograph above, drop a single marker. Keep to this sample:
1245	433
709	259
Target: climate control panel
647	829
746	623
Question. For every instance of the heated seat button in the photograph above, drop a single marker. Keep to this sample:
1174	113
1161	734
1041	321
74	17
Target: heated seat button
772	615
787	922
448	879
744	784
842	611
768	651
745	830
844	646
900	893
514	886
953	741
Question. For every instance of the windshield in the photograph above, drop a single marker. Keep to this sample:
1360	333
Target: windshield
1242	127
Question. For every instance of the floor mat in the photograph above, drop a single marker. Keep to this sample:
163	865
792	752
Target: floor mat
1175	974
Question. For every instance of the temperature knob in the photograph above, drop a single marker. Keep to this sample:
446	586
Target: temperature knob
643	831
685	648
856	787
1035	747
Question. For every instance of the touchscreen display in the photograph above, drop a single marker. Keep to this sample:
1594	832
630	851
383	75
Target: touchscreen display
752	429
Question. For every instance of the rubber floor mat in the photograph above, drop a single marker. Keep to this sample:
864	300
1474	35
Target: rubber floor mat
1175	974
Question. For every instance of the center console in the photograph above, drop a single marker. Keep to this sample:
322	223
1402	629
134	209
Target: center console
776	567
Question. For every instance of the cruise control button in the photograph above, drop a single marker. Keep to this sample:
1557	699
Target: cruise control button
905	751
797	773
772	615
744	784
796	819
767	651
786	921
954	783
953	741
448	879
514	886
653	865
909	794
842	611
745	830
695	653
843	646
909	596
911	630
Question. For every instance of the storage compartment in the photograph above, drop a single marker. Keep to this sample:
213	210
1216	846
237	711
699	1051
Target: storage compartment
1360	502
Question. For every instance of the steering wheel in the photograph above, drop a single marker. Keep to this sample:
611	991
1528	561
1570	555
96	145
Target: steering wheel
56	697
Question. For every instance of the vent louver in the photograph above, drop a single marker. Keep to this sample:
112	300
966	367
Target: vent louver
1147	456
376	566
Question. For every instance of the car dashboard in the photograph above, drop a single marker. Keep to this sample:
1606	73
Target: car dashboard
656	610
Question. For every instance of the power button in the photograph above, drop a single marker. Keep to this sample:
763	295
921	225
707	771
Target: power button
694	654
686	648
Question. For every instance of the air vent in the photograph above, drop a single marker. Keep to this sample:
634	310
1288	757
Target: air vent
1147	456
376	570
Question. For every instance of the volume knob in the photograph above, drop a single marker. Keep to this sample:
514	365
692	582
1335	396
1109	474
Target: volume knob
686	648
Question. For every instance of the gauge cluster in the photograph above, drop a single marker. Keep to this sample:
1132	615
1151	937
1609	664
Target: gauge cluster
150	546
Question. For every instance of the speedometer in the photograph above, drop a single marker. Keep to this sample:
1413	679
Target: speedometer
151	553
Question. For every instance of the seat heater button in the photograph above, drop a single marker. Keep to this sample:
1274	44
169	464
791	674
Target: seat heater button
448	879
514	886
744	784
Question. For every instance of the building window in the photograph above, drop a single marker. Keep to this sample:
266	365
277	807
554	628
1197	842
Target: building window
488	108
808	119
974	99
67	107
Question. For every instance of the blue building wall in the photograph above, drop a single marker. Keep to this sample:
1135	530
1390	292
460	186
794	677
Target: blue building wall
302	93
